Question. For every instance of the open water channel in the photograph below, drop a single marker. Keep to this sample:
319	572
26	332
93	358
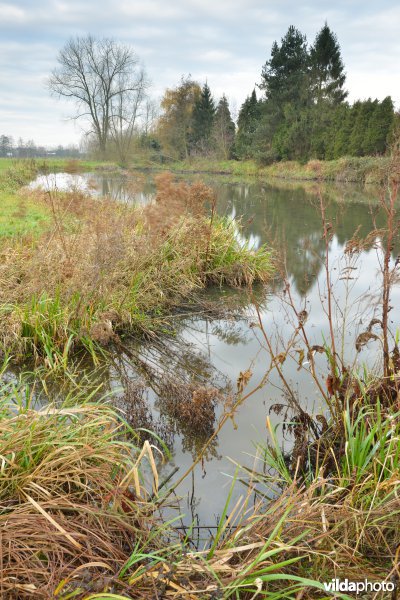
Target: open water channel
213	351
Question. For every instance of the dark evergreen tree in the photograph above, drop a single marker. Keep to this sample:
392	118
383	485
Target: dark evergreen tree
223	130
203	121
284	79
379	127
362	113
326	81
292	140
248	121
344	131
285	75
262	147
322	118
327	74
339	132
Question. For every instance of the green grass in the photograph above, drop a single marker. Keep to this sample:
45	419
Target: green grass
363	170
68	165
4	164
55	163
19	216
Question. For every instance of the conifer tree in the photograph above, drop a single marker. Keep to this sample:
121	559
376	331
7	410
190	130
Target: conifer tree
345	130
248	121
326	81
203	120
339	132
361	117
223	130
379	127
284	76
327	69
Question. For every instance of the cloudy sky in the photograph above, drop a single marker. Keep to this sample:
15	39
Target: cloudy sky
225	42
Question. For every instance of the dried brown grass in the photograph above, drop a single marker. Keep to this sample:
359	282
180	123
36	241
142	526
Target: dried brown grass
101	257
73	505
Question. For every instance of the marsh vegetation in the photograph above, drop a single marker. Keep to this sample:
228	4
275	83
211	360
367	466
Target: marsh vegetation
105	293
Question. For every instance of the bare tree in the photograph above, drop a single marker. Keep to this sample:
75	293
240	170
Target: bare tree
127	109
150	116
106	82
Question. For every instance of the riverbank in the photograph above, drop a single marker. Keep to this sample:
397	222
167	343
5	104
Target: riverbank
20	214
81	509
362	170
98	271
368	170
82	499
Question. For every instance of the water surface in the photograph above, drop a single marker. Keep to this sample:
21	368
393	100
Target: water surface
214	352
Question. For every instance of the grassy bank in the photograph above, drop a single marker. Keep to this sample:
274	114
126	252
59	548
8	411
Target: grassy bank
79	517
101	270
69	165
20	214
80	510
362	170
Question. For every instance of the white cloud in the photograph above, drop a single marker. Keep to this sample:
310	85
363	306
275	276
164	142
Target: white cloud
12	14
215	55
152	9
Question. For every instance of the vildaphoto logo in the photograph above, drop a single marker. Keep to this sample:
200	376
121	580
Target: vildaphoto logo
359	587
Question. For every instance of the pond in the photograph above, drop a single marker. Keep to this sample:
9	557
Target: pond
213	352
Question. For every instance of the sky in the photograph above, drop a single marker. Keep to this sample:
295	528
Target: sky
223	42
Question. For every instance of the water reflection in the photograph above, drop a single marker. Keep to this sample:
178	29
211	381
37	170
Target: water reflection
284	215
120	186
208	353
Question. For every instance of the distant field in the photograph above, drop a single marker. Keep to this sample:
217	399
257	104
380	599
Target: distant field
18	214
5	163
57	163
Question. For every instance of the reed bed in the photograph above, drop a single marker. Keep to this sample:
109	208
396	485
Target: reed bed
74	503
106	269
80	500
79	516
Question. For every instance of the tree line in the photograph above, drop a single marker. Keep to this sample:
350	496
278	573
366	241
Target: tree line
29	149
298	111
301	112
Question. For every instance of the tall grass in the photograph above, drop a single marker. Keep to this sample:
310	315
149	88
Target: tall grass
105	270
79	515
74	504
362	170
